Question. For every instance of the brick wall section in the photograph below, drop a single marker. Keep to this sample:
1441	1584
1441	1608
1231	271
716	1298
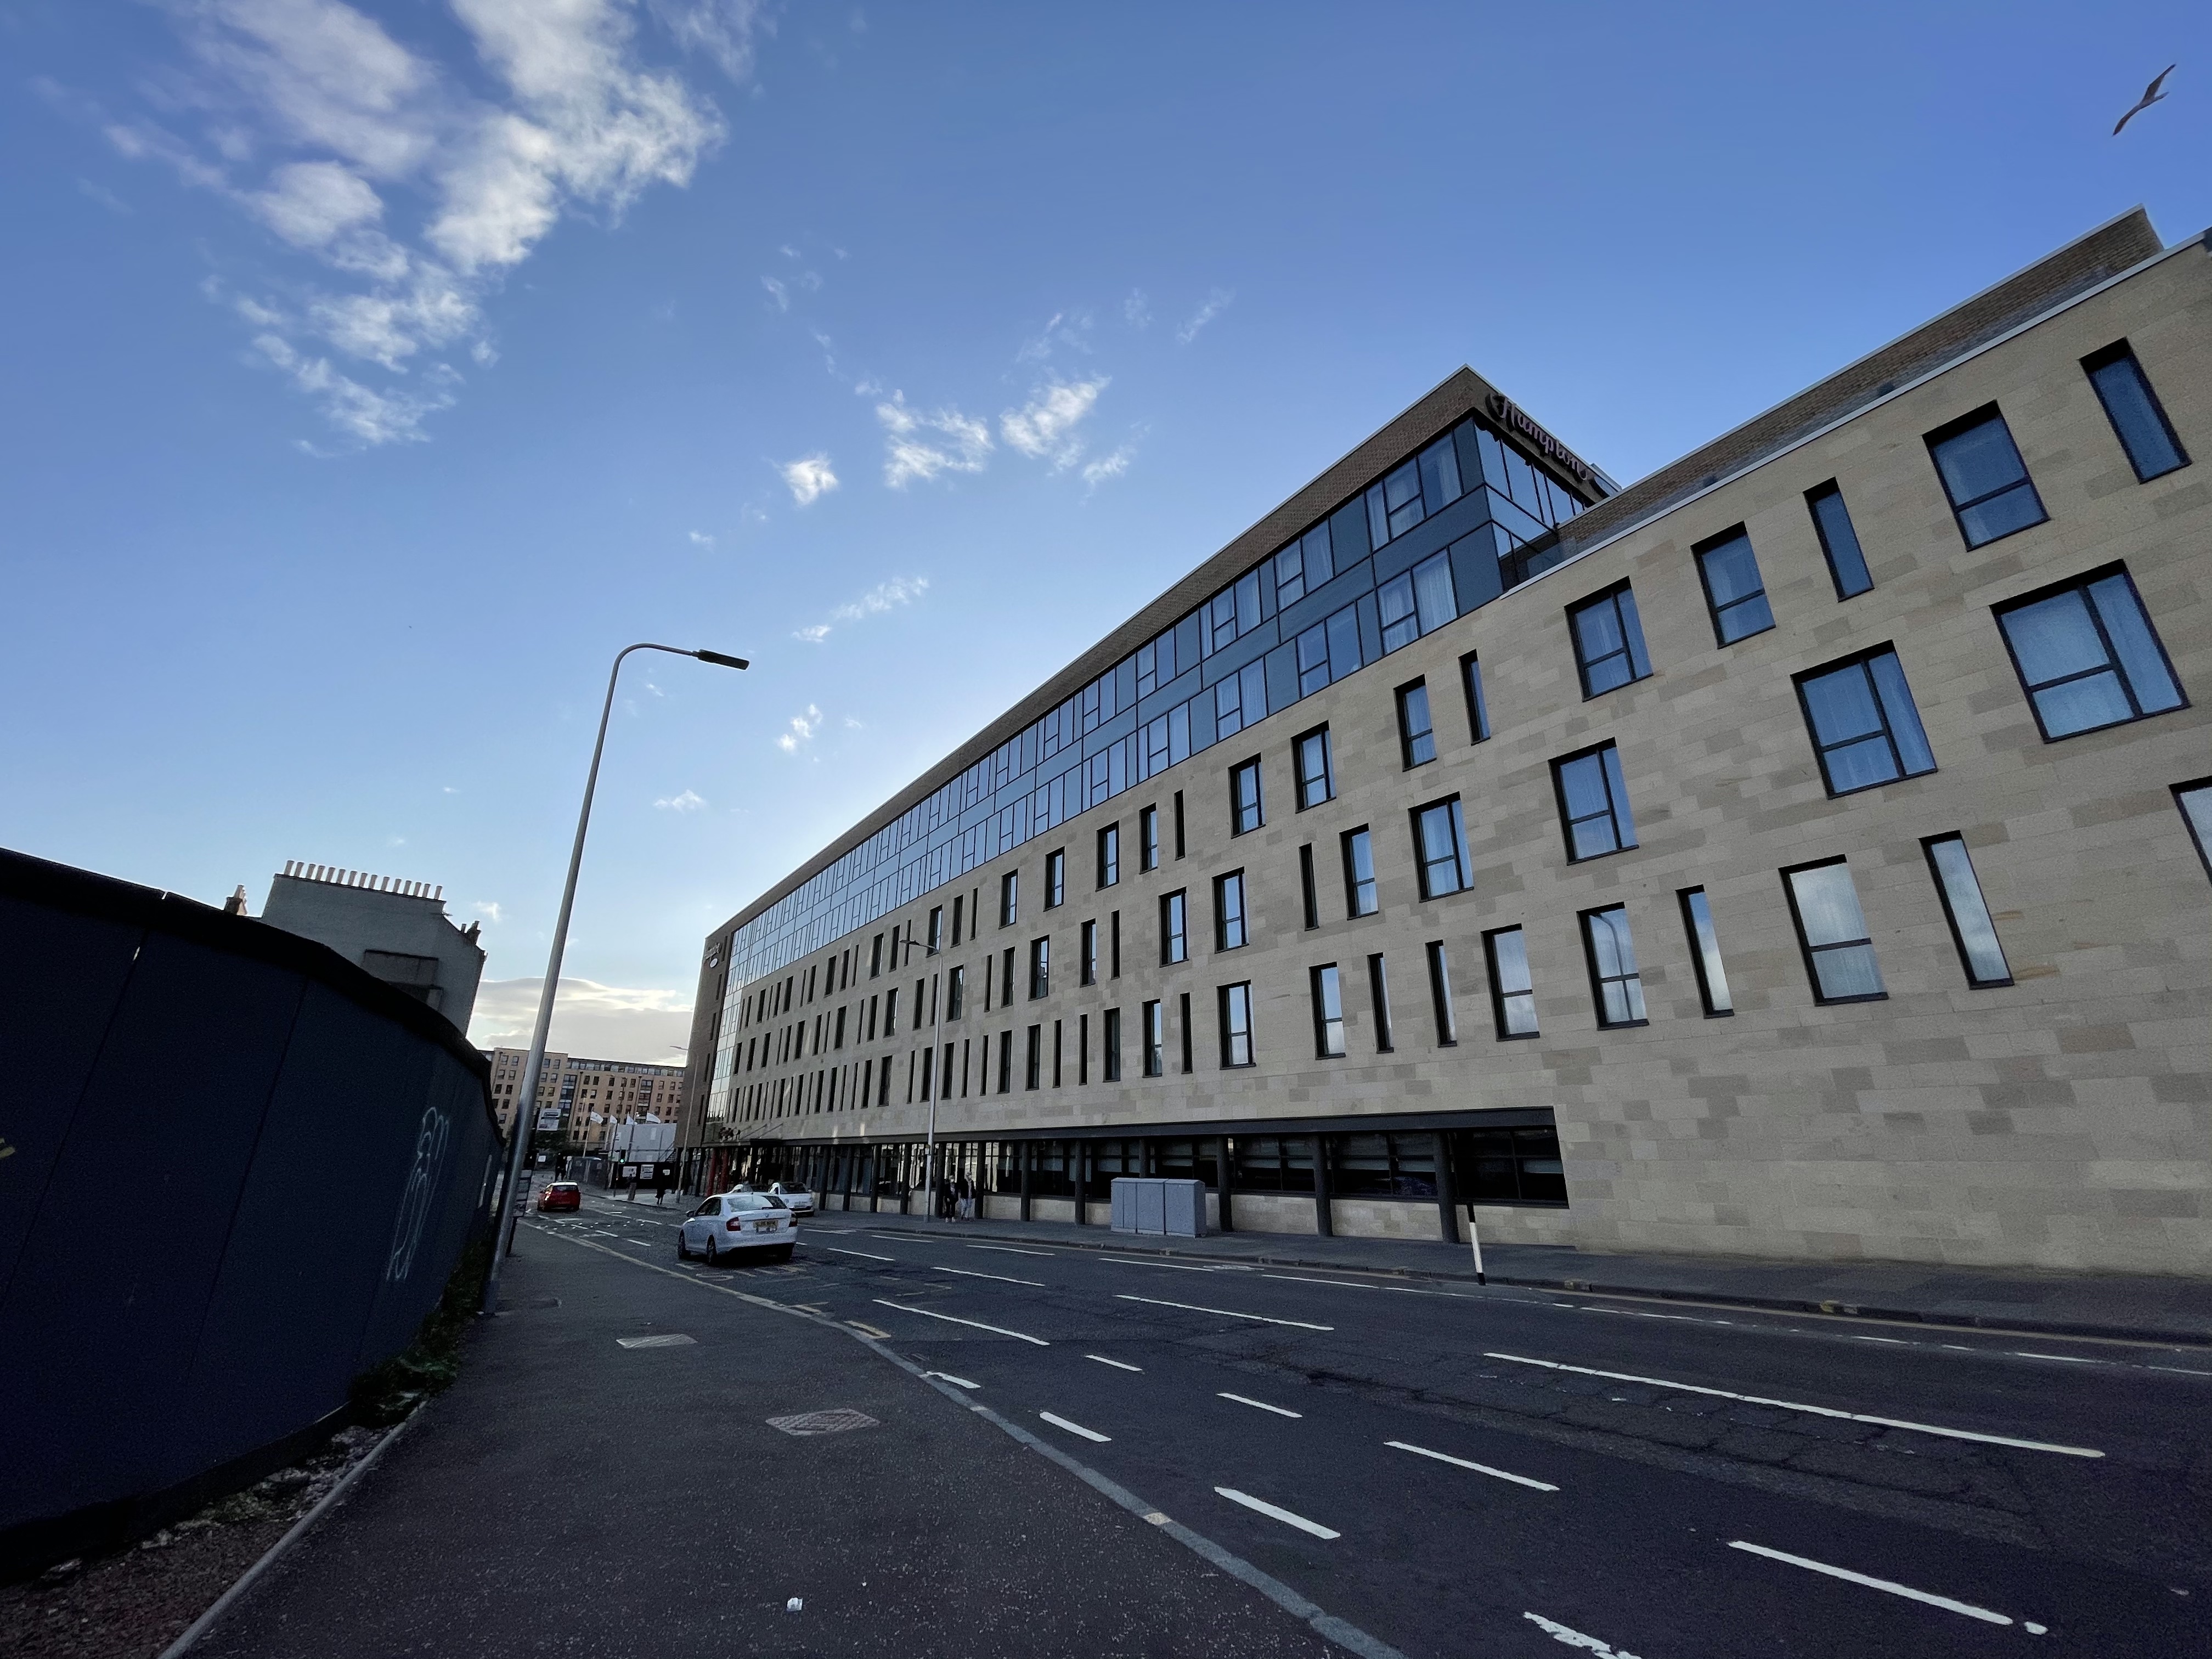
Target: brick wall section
2064	1121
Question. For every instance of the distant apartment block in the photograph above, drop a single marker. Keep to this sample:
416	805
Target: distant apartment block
585	1099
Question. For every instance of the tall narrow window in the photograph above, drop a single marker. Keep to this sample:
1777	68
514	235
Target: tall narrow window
1178	824
1229	929
1417	735
1614	981
1006	976
2087	655
1512	992
1839	542
1317	776
2195	802
1009	897
1440	849
1378	999
1705	953
1114	944
936	931
1971	930
1087	955
1005	1062
1328	1012
1734	593
1055	879
1040	968
1156	1040
1244	810
2138	420
1175	927
1991	494
1307	890
1593	802
890	1012
1608	640
1440	995
876	958
1359	895
959	913
1832	931
1111	1054
956	1000
1478	709
1237	1024
1148	838
1033	1062
1110	855
1183	1010
1865	728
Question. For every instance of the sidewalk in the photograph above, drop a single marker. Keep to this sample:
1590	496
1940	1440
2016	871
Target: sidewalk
2129	1307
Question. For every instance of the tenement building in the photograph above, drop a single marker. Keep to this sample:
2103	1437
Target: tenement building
585	1099
1799	852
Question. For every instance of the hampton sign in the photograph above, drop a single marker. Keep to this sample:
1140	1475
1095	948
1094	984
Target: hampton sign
1504	410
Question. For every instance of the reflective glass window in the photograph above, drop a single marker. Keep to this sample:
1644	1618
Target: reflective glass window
2137	417
1237	1024
2088	656
1608	640
1980	951
1512	992
1417	735
1705	953
1229	929
1831	930
1156	1040
1175	927
1359	874
1440	846
1865	728
1593	802
1317	776
1991	493
1478	709
1734	593
1614	980
1839	542
1328	1012
1245	813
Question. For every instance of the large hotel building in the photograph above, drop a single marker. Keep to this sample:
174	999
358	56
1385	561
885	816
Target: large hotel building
1799	852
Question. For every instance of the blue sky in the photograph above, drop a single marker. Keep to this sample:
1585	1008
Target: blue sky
378	370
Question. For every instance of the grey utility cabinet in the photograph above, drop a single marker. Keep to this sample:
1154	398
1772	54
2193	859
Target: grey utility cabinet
1153	1204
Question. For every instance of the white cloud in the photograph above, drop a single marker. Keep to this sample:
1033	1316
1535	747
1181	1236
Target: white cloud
701	538
558	113
777	292
489	912
1215	303
917	446
809	478
1043	426
1065	328
1097	471
686	802
1136	310
884	596
802	728
609	1022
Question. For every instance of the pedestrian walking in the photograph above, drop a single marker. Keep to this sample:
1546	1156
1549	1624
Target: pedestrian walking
660	1184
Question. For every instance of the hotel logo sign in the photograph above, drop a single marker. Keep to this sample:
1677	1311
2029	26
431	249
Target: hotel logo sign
1504	410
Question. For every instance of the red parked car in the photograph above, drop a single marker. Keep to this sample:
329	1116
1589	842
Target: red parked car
562	1195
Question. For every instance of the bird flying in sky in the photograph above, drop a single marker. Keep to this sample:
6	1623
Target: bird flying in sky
2151	95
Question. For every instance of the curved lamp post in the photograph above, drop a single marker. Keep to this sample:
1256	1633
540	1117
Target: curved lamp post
526	1102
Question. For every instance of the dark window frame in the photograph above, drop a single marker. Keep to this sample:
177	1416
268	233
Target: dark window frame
1148	839
1314	981
1221	916
2111	356
1478	706
1808	951
1110	855
1586	924
1958	429
1040	968
1835	559
1928	846
1440	995
1352	881
1862	661
2194	786
1462	853
1498	993
1176	903
1707	1000
1154	1018
1055	879
1224	996
1630	623
1699	553
1243	769
1617	811
2082	584
1301	779
1407	738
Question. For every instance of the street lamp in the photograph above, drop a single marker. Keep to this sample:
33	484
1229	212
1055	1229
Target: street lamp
519	1153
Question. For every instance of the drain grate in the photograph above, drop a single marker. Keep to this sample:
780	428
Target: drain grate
655	1341
828	1422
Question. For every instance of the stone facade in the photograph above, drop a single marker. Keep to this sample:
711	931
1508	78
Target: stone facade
2063	1120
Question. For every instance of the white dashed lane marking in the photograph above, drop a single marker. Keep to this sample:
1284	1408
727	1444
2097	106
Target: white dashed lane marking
1225	1313
1002	1278
1117	1364
1257	1405
1282	1514
1479	1468
975	1324
1934	1601
1075	1428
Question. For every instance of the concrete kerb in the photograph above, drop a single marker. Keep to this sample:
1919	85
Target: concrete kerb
1828	1307
1323	1624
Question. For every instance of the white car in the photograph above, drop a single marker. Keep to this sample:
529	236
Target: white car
797	1200
737	1224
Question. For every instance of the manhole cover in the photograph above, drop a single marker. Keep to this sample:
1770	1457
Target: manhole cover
670	1341
830	1422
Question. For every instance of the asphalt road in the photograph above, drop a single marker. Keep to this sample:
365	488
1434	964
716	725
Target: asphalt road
1458	1470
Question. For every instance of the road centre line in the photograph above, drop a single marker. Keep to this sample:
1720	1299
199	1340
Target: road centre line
957	1381
2063	1359
1575	1639
871	1255
1013	1250
1116	1363
976	1323
1479	1468
1906	1591
1257	1405
1034	1284
1075	1428
1799	1405
1283	1515
1227	1313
